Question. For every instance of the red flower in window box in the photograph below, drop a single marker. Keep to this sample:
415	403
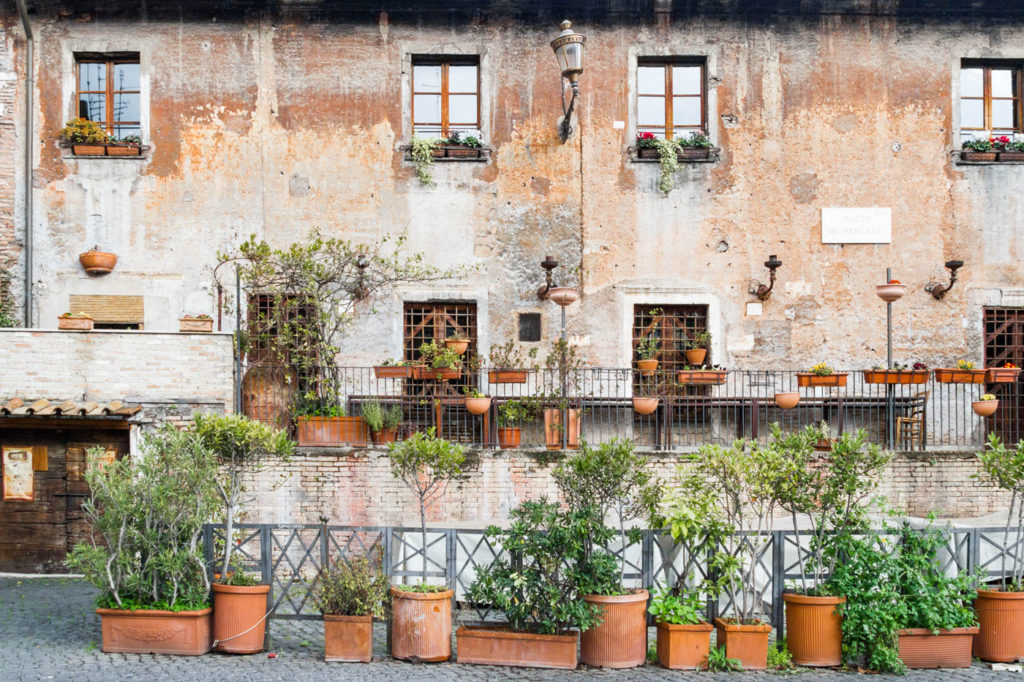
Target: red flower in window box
645	141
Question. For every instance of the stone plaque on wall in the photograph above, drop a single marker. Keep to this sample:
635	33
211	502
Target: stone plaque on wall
871	225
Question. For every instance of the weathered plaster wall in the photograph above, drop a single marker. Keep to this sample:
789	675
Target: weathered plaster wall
356	488
274	126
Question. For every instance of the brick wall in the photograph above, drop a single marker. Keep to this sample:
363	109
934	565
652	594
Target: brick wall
155	369
355	487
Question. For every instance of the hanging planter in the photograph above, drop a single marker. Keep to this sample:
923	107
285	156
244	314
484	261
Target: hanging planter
985	407
97	262
393	371
478	405
645	406
895	376
893	291
647	367
507	376
962	374
787	400
701	376
811	379
457	345
1007	374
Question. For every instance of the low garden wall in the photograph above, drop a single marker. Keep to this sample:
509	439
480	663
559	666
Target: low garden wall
355	487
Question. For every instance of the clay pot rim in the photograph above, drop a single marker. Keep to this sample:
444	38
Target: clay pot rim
498	632
93	252
736	627
240	589
421	596
150	613
348	619
702	626
633	597
999	593
795	598
951	631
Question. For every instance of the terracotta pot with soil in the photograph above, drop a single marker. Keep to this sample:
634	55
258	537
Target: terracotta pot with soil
814	630
1000	636
239	617
647	367
182	633
683	647
695	356
746	643
421	625
620	641
919	648
502	646
348	638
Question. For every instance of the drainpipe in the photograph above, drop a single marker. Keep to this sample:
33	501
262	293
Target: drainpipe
29	90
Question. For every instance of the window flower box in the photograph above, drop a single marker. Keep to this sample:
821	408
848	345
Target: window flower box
1002	375
683	154
331	431
701	376
80	322
971	155
953	375
809	379
106	149
458	151
196	325
1011	156
895	376
507	376
425	373
393	371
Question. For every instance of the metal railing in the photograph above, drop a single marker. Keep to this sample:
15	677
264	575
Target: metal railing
715	408
290	557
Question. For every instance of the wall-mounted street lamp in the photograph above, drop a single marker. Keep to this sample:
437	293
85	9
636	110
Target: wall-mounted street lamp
568	47
936	289
764	292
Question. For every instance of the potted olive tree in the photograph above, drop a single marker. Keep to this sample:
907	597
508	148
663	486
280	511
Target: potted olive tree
149	569
242	447
350	594
614	480
421	621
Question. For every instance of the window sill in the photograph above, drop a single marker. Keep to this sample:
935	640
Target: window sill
962	158
692	155
105	151
449	152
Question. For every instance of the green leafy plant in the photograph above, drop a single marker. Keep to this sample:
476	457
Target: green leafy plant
821	370
425	463
243	447
471	141
685	609
779	657
352	587
668	160
978	144
439	356
697	138
150	513
964	364
718	662
6	302
698	339
513	413
535	581
1004	467
379	418
82	130
509	355
423	157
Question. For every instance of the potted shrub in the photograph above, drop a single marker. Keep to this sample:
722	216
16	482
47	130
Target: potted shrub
149	512
442	363
319	422
985	406
383	422
393	369
613	481
820	375
963	373
1000	608
243	448
476	402
458	343
350	594
201	324
1007	374
978	149
647	348
829	490
536	585
512	414
79	322
421	620
684	637
899	374
562	379
697	347
508	364
86	138
96	262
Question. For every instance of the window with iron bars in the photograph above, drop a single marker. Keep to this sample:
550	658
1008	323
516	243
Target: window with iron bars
672	327
1004	342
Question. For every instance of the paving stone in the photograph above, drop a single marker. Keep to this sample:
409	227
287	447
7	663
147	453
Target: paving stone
48	631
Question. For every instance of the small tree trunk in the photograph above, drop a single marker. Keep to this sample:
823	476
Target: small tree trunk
423	530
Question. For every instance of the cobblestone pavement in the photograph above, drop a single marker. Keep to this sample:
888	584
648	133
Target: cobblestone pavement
48	631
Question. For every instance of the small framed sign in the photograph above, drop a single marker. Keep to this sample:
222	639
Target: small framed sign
18	475
856	225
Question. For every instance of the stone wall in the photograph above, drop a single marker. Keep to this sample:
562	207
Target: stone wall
355	487
163	372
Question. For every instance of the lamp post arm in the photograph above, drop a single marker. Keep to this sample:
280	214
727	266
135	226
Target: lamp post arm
567	119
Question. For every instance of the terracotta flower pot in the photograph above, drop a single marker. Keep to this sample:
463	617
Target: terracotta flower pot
645	406
501	646
694	153
124	150
75	323
814	631
683	647
478	405
185	633
701	376
787	400
507	376
553	430
695	356
746	643
919	648
195	325
458	346
890	292
620	641
808	379
89	149
239	617
509	437
97	262
895	376
384	436
1001	626
392	371
348	638
425	373
1001	375
331	431
985	408
647	367
421	625
950	375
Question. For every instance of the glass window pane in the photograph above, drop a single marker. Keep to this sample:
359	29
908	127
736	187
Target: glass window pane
658	132
972	83
92	76
93	107
121	132
462	79
1002	83
972	113
126	77
684	133
686	80
1002	113
462	109
427	79
126	107
686	111
427	109
650	80
650	111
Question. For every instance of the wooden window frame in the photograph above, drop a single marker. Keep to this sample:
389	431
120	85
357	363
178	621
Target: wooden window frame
444	63
667	64
110	61
987	98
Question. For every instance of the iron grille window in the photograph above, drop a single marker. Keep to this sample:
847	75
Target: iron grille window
672	326
1004	342
273	330
109	93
